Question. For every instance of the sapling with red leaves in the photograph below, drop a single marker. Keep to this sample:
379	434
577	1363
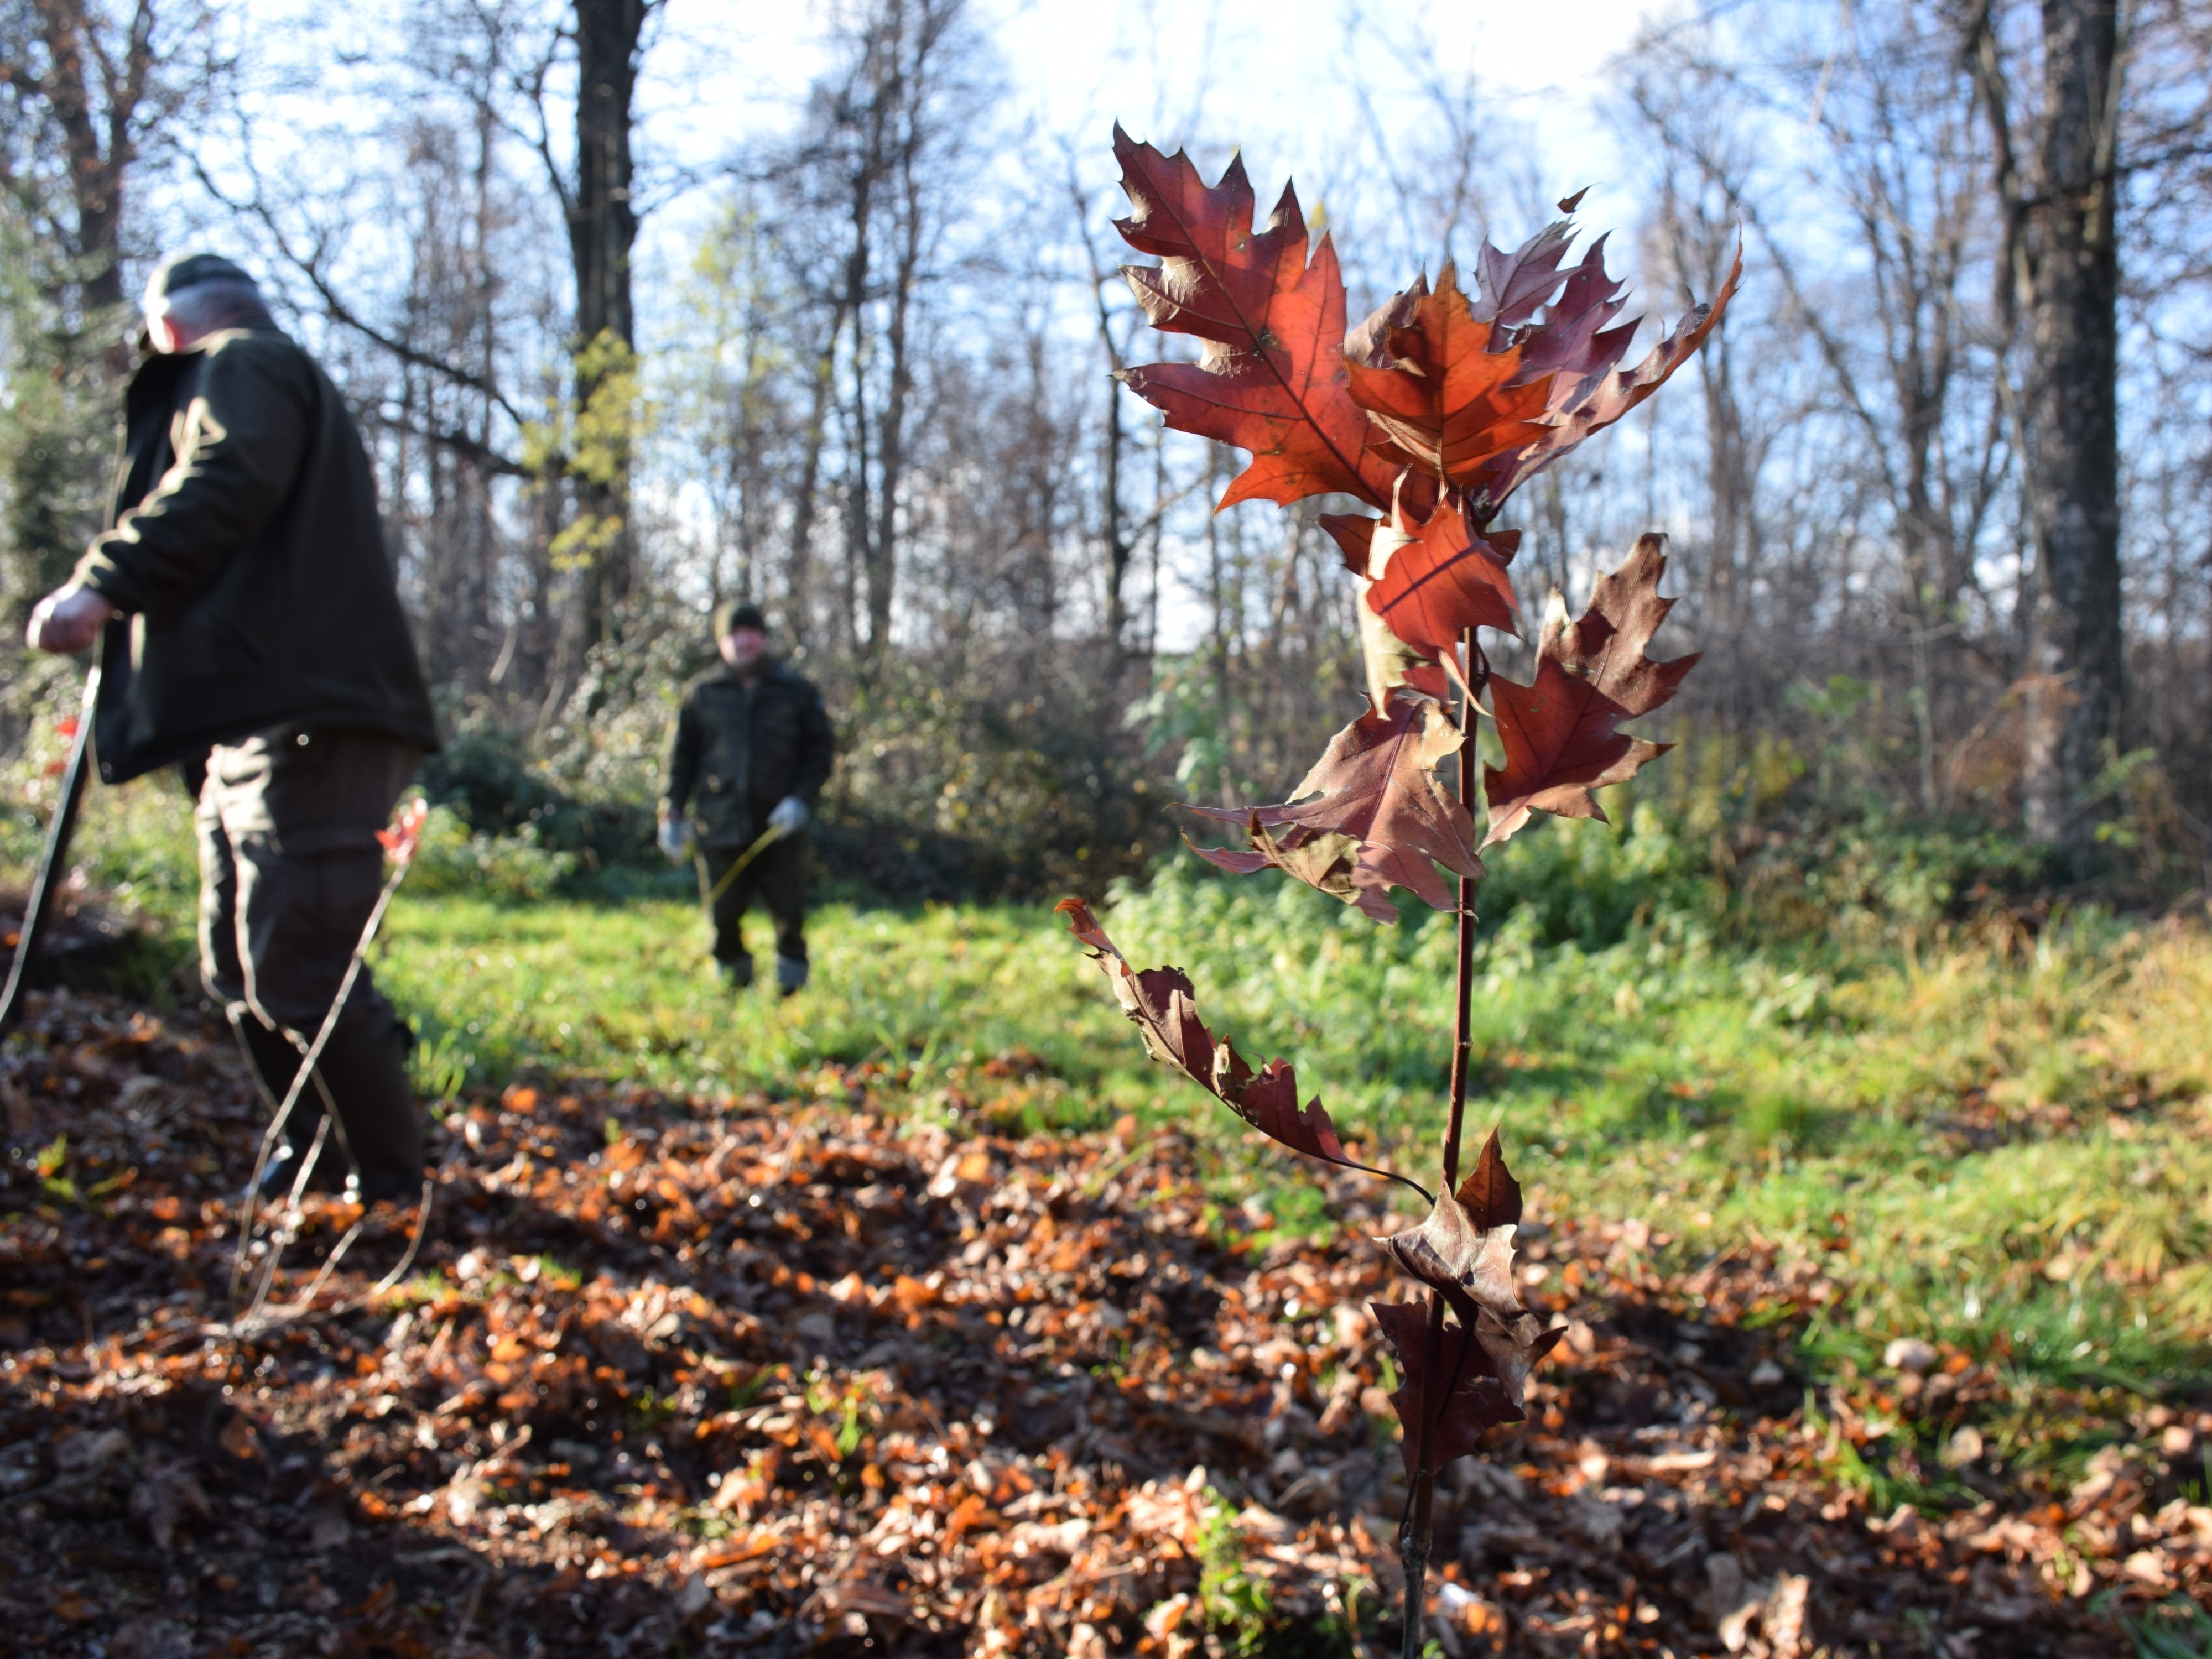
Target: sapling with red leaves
1431	413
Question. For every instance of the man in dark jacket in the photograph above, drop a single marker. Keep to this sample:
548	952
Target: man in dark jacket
750	754
251	631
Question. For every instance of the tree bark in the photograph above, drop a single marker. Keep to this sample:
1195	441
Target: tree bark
602	228
2075	689
883	548
799	598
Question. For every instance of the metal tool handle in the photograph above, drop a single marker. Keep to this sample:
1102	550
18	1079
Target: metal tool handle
37	908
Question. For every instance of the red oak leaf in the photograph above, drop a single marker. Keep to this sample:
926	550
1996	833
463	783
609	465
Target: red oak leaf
406	832
1353	534
1376	783
1490	1194
1457	1415
1160	1002
1390	661
1271	376
1514	287
1575	357
1444	397
1466	1255
1328	863
1572	340
1441	579
1560	734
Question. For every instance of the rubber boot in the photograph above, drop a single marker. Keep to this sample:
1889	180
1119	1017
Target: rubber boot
365	1063
790	975
278	1062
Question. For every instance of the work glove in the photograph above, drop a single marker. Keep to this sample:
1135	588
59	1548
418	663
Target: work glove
675	839
789	817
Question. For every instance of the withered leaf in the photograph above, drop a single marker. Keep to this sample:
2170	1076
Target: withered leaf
1560	734
1376	782
1324	862
1441	579
1490	1194
1457	1415
1390	662
162	1498
1444	397
1573	340
1470	1265
1514	287
1161	1004
1271	375
1576	356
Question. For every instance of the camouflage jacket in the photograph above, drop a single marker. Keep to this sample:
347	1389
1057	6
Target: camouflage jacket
738	750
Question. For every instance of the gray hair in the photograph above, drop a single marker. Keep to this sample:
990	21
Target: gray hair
207	308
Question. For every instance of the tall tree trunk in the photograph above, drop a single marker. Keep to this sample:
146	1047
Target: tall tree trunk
2076	688
798	571
883	547
602	228
99	141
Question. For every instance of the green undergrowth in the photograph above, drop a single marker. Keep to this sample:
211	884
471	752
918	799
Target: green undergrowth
1982	1131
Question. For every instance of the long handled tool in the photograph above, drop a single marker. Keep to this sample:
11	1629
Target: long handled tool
37	908
707	895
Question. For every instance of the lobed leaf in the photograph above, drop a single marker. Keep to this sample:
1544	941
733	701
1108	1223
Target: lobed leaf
1576	357
1271	377
1162	1005
1559	734
1445	394
1458	1414
1464	1252
1443	579
1514	287
1376	783
1326	862
1490	1194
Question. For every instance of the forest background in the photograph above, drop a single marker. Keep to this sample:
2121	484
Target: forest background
821	313
1887	988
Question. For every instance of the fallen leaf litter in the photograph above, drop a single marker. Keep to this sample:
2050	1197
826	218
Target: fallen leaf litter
725	1377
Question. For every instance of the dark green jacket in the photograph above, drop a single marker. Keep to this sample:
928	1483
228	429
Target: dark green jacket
737	751
244	546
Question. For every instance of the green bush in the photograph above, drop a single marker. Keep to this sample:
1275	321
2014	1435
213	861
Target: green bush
452	858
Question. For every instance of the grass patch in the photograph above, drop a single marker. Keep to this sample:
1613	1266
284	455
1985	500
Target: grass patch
1971	1134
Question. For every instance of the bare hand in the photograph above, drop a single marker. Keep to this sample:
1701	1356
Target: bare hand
67	619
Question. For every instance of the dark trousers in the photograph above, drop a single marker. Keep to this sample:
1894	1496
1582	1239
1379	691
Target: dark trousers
776	881
290	868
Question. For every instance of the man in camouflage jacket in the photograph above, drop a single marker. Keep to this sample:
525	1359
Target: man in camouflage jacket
751	750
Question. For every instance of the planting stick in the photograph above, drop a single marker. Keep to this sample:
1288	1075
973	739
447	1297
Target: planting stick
38	907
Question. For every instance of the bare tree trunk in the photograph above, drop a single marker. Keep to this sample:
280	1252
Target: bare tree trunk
1114	521
2076	688
883	547
101	143
799	570
84	85
602	228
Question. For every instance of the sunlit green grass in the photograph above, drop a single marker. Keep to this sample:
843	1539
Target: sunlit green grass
629	990
1979	1137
